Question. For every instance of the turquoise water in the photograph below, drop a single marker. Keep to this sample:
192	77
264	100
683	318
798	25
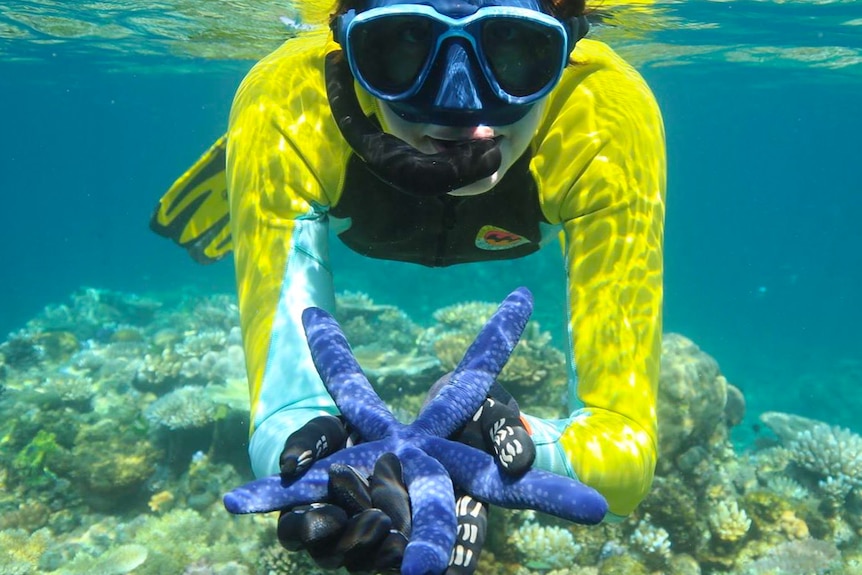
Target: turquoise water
761	102
104	104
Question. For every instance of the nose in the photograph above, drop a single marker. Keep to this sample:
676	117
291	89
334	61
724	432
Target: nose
458	87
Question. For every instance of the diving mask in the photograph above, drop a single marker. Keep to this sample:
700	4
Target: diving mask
456	63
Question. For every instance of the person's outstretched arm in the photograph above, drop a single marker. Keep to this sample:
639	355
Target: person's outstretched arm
603	162
284	158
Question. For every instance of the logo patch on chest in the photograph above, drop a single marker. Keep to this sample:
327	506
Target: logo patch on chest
494	238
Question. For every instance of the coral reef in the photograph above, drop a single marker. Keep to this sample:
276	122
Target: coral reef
93	312
536	371
786	487
110	464
124	418
212	538
366	323
384	341
397	373
693	398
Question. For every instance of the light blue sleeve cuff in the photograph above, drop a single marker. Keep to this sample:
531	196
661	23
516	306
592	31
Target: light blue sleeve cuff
546	434
267	441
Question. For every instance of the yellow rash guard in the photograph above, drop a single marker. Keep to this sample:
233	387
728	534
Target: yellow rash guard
595	171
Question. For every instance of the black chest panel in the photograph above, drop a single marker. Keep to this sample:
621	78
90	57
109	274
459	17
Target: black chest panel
386	223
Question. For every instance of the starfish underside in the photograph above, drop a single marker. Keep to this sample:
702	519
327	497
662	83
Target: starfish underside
431	463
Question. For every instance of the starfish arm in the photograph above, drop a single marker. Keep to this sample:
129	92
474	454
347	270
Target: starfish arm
432	502
478	474
482	363
272	493
343	377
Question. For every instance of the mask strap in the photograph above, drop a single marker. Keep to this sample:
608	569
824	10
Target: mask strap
395	161
578	27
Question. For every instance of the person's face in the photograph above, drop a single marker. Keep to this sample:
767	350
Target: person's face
513	140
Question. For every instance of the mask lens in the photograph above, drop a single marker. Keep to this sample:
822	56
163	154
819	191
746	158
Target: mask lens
391	53
524	56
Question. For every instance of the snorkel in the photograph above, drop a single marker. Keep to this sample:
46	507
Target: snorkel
395	161
445	63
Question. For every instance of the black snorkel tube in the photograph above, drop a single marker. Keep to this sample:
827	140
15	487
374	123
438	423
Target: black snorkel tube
395	161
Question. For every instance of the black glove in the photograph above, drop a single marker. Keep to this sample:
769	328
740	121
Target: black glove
322	436
363	526
365	523
497	428
472	527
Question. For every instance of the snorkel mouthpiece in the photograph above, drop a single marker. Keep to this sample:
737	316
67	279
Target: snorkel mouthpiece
395	161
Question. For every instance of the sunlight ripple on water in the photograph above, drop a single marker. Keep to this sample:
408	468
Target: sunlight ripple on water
799	34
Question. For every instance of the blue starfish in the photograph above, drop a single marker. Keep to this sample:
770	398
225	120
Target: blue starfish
430	462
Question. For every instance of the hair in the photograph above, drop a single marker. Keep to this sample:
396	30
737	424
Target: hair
560	9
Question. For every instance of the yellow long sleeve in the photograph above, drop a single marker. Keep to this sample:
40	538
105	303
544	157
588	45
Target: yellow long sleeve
608	131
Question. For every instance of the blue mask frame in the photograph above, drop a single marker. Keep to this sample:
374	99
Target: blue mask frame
467	91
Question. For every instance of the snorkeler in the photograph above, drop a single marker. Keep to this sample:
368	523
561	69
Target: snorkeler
443	132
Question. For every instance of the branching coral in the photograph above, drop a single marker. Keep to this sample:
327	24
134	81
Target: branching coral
650	539
549	546
727	521
274	560
466	316
61	389
396	374
159	372
20	551
832	453
674	504
210	357
215	312
183	408
198	343
215	366
772	461
786	487
92	309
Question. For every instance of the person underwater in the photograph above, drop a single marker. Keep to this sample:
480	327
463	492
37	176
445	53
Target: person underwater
443	132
